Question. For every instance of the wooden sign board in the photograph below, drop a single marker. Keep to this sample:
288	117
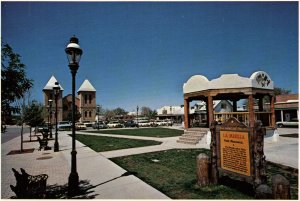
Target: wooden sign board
237	151
234	150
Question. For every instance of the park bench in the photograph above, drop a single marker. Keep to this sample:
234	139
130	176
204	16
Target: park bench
45	133
43	143
29	186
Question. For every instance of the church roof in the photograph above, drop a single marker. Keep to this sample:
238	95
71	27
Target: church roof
51	83
86	86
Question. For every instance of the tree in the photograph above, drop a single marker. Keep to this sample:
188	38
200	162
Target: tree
146	111
281	91
33	115
14	81
109	114
101	110
77	116
119	111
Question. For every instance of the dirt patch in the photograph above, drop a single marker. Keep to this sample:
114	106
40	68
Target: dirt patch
25	151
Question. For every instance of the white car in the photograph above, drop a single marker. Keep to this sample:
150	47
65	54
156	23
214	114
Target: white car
161	123
64	125
144	124
291	123
114	124
80	126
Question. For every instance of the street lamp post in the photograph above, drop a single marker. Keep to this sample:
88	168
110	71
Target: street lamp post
98	111
50	117
56	90
74	53
137	116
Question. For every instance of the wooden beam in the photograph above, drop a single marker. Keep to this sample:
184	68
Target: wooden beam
210	109
272	107
251	111
186	113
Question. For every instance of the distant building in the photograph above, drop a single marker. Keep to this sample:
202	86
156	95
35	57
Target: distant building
197	112
85	102
287	107
174	113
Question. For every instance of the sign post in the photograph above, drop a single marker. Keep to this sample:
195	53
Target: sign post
237	152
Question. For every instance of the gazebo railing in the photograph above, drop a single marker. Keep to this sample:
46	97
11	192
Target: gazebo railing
223	116
243	117
265	117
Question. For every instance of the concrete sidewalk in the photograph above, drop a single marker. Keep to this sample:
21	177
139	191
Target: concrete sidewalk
92	167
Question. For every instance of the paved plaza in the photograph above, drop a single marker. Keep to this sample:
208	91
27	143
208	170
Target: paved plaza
103	176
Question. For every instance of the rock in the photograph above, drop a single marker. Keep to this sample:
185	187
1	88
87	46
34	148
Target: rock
263	191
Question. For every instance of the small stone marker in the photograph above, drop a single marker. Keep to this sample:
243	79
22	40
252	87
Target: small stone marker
280	187
263	191
202	169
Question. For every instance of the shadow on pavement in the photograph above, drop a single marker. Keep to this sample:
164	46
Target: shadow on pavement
61	191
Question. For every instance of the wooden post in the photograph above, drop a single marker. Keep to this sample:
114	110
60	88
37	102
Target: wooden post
280	187
260	104
234	105
186	113
210	109
214	174
272	107
202	169
251	111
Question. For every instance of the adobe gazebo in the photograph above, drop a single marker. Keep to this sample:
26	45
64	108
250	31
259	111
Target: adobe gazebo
233	87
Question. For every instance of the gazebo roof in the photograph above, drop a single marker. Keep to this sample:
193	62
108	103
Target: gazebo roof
259	80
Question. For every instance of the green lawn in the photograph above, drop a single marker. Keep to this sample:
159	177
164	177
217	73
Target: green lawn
175	175
101	143
147	132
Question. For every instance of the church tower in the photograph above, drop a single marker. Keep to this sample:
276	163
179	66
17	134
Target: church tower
87	100
49	95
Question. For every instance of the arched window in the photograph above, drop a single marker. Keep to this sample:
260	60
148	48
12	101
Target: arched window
85	99
90	114
90	99
85	114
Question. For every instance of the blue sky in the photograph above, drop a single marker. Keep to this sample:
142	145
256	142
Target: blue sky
141	53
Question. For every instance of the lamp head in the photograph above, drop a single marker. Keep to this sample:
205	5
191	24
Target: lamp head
73	51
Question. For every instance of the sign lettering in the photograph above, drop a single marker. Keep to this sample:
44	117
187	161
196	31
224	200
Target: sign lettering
235	153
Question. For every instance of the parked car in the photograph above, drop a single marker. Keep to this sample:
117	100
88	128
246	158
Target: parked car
292	123
101	125
114	124
130	124
144	124
43	127
80	126
88	124
63	125
161	123
169	122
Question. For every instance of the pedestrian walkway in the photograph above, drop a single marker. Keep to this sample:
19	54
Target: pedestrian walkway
100	173
104	176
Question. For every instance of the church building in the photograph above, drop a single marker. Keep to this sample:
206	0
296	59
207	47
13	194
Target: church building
85	102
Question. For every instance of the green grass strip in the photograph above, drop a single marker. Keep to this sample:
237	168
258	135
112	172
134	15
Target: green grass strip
101	143
146	132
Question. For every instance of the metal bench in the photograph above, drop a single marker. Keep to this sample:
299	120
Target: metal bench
29	186
43	143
